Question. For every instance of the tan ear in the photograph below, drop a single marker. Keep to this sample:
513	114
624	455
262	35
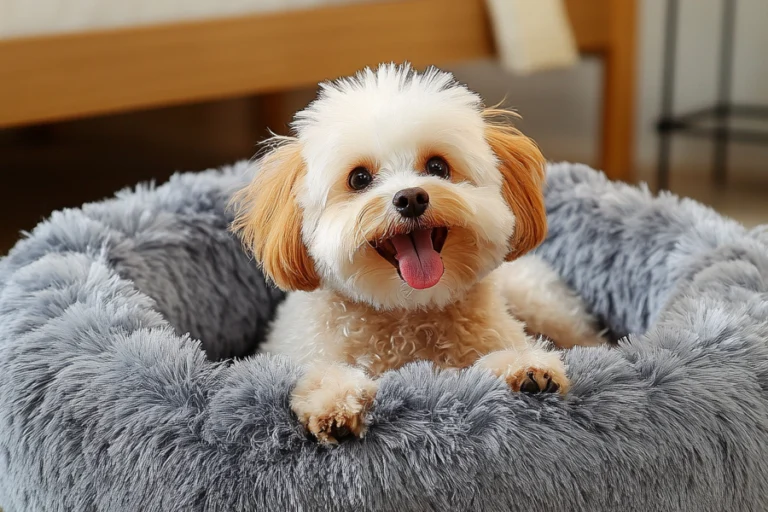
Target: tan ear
268	219
522	169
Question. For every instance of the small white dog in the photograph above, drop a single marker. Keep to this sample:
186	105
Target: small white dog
390	215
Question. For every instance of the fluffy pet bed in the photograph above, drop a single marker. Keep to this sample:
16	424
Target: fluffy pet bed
106	403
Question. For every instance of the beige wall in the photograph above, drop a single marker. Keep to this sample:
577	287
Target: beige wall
561	108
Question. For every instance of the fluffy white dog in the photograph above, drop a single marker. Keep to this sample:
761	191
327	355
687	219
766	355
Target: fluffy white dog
390	216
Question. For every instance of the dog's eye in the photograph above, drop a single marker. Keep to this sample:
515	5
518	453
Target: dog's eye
436	166
360	178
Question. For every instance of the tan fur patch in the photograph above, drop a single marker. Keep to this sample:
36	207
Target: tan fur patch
268	219
458	172
522	166
368	163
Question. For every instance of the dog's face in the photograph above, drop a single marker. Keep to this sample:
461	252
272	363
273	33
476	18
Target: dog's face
398	190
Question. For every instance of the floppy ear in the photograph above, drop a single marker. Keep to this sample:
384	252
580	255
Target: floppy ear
268	219
522	168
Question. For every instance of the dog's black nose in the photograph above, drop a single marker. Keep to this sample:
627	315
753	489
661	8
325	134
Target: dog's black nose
411	202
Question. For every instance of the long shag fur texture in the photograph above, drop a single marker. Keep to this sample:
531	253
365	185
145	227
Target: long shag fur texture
107	404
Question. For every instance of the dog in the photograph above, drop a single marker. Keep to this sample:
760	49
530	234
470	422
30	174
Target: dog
397	215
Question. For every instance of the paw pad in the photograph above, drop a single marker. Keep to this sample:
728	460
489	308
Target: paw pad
544	384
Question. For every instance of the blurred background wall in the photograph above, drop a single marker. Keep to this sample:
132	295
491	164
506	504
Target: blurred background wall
561	107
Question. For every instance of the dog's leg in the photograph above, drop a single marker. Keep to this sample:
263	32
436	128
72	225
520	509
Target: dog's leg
332	400
536	295
525	364
531	369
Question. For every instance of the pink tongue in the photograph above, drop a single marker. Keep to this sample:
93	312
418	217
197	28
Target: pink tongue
420	263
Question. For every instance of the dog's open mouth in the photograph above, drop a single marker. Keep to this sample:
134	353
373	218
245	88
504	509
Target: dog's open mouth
416	255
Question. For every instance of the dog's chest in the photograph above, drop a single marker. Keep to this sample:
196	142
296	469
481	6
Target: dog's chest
451	338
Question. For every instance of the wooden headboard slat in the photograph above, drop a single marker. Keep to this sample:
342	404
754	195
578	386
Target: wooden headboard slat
82	74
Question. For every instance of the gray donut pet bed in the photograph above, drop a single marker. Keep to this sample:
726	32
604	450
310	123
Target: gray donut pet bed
127	380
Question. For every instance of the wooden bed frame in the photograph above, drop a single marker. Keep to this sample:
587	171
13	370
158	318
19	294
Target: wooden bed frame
61	77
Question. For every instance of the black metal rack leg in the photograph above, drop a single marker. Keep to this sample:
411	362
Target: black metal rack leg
667	95
665	149
723	110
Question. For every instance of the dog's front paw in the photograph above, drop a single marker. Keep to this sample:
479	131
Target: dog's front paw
536	372
332	402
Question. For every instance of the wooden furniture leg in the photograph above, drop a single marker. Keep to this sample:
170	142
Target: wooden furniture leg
617	141
273	112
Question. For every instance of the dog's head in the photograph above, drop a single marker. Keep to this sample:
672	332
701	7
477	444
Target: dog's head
399	189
